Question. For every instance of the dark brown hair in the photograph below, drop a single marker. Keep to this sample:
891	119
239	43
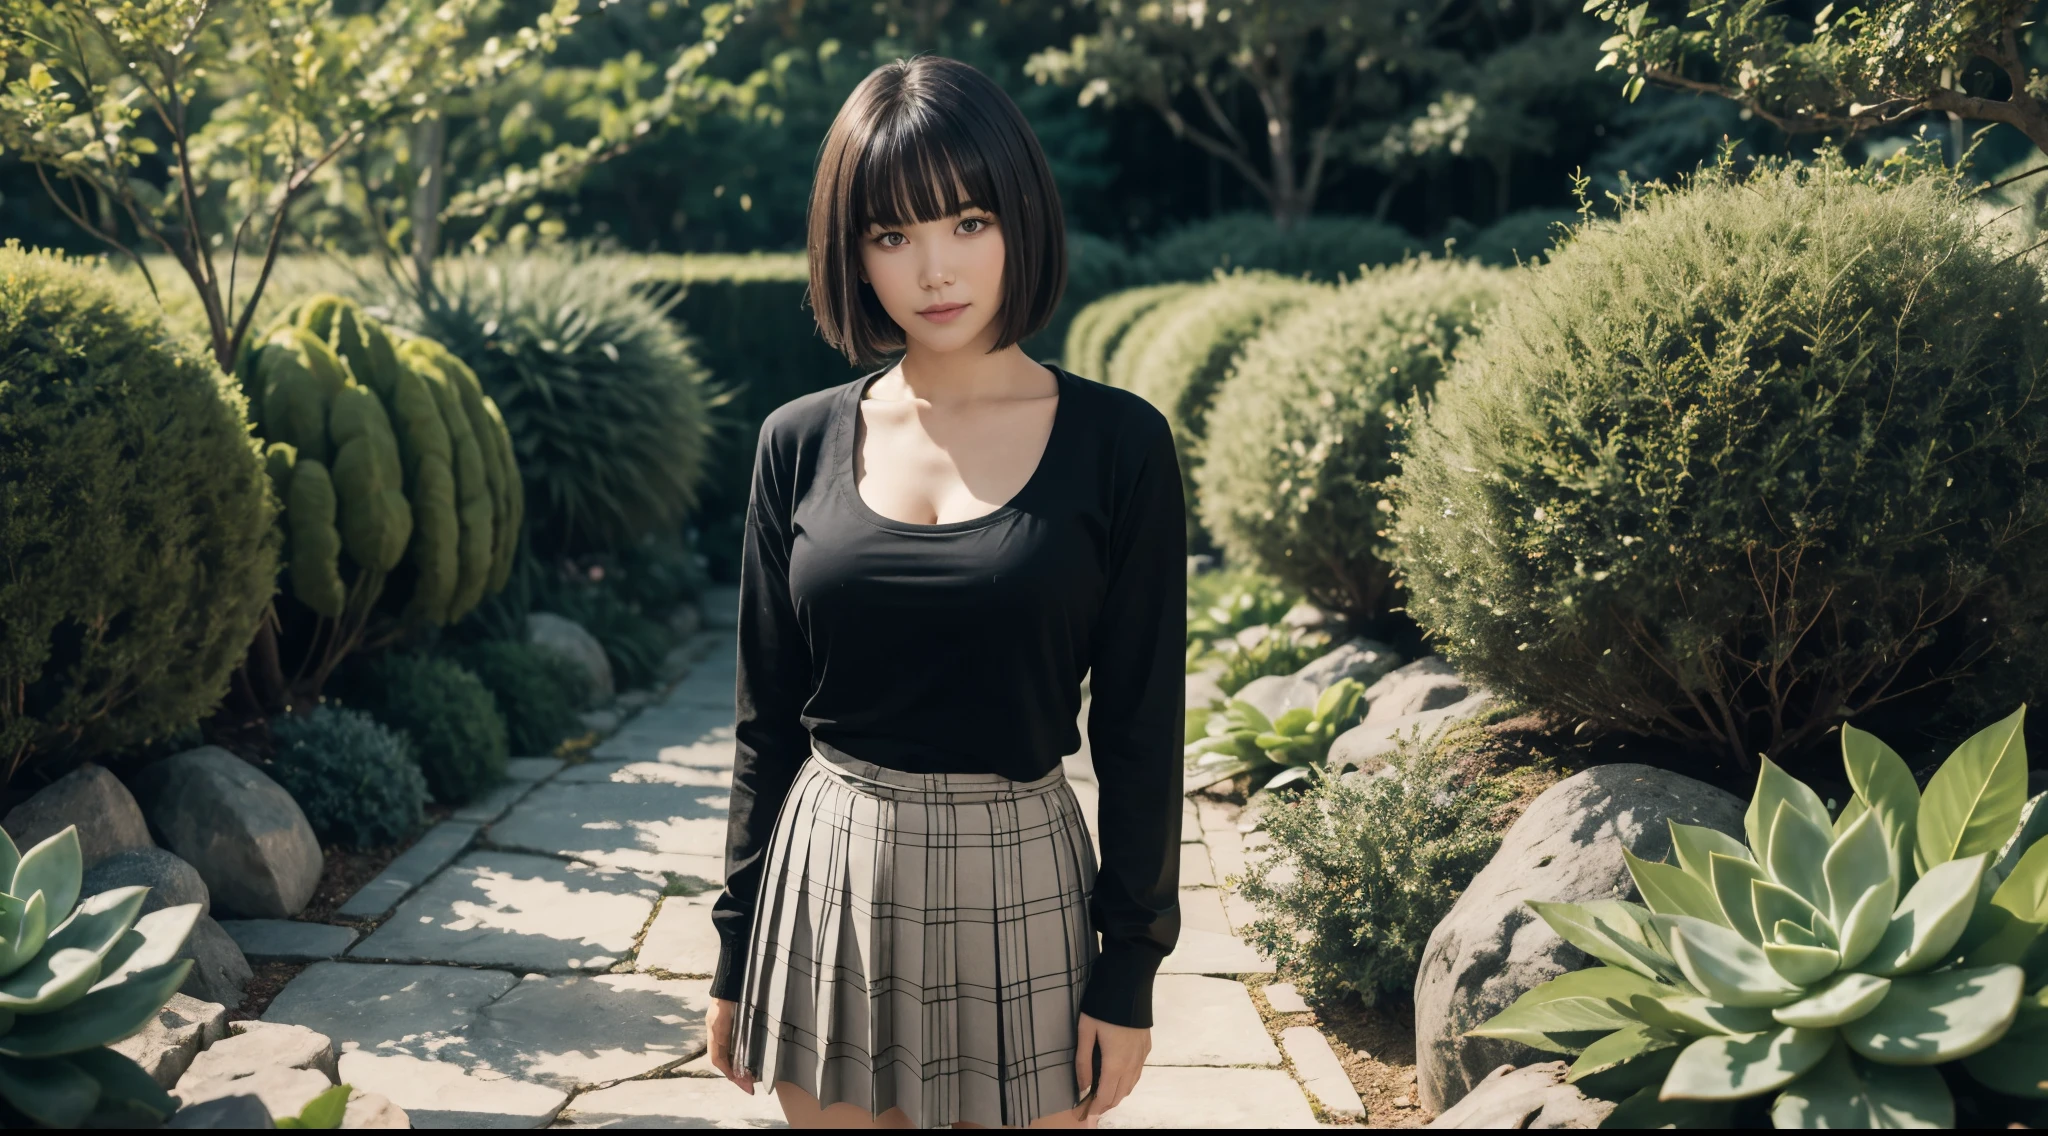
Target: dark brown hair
909	139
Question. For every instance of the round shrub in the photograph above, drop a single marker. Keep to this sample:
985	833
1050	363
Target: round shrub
355	780
137	551
1752	458
537	689
1518	238
1321	248
606	403
1303	430
1100	327
1188	348
457	732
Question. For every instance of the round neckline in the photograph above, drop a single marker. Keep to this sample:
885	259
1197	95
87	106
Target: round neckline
849	431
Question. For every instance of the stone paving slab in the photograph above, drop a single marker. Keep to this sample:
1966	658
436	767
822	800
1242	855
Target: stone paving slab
429	854
518	911
681	940
1168	1097
674	1102
532	768
651	828
442	1094
1317	1066
1207	952
1194	866
647	773
583	1030
710	747
494	803
1201	909
1207	1021
1285	999
287	940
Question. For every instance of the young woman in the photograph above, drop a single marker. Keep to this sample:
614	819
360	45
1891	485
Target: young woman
935	553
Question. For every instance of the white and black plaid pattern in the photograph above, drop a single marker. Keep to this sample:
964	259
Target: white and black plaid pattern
921	942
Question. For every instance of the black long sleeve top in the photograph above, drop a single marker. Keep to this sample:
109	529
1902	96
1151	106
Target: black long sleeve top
960	648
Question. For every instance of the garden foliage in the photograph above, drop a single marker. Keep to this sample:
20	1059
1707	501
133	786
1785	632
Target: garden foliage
1099	329
633	643
1754	457
1363	867
1328	248
457	732
537	689
1306	427
76	975
1277	752
354	778
1838	962
135	526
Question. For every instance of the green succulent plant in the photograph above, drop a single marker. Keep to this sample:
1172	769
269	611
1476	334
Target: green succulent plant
74	976
1836	962
1289	749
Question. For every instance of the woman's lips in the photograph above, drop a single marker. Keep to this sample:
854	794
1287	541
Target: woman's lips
943	313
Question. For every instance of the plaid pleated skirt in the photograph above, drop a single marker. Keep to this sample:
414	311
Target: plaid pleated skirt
921	942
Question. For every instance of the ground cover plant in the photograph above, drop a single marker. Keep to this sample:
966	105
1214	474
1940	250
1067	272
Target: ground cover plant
135	525
1760	454
1863	967
1276	752
355	779
1306	427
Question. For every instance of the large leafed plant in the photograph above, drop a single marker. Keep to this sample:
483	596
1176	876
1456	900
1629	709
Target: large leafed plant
1838	962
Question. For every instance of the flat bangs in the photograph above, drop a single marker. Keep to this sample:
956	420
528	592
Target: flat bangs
916	169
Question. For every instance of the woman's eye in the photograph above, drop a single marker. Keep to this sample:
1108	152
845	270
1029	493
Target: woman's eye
887	239
979	223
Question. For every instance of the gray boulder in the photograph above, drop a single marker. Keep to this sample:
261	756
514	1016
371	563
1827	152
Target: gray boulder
171	881
1274	695
243	1110
567	637
1421	686
1366	745
284	1066
240	829
1306	614
1534	1096
1492	949
1251	636
166	1045
373	1110
220	972
108	819
1361	658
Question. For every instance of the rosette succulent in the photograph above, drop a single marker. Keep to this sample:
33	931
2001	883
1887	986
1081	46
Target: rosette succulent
1240	738
1834	961
75	976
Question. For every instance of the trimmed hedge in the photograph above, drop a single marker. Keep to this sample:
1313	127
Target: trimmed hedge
137	549
1190	342
1304	429
537	690
1099	328
355	779
457	732
1518	238
1755	457
1328	248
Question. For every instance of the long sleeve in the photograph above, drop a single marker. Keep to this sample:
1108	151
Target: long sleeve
1137	692
773	682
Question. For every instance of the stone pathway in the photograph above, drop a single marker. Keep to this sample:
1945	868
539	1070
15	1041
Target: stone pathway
545	958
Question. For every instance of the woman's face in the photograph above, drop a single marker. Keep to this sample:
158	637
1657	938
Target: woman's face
941	281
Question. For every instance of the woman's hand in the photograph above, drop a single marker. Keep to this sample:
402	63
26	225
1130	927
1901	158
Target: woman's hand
719	1034
1123	1058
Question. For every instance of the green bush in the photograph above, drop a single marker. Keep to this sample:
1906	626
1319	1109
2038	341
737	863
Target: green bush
1518	238
1327	248
1362	868
1099	328
634	643
355	780
608	409
135	522
457	731
1224	601
537	690
1303	430
1281	652
1753	457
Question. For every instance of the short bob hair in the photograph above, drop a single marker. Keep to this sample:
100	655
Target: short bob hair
910	138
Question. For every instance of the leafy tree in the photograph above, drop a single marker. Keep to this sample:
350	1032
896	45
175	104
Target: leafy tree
196	125
1850	67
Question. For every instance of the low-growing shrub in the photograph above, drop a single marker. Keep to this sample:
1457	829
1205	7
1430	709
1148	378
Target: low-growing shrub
538	691
354	778
1099	328
1362	868
136	526
1756	456
1195	340
1326	248
1519	238
1305	428
457	732
634	643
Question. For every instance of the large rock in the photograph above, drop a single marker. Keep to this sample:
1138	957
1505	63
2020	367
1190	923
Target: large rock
1363	659
1365	746
1202	688
283	1066
166	1045
1423	685
220	972
566	636
1534	1096
243	1110
240	829
108	819
1491	948
171	881
1274	695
